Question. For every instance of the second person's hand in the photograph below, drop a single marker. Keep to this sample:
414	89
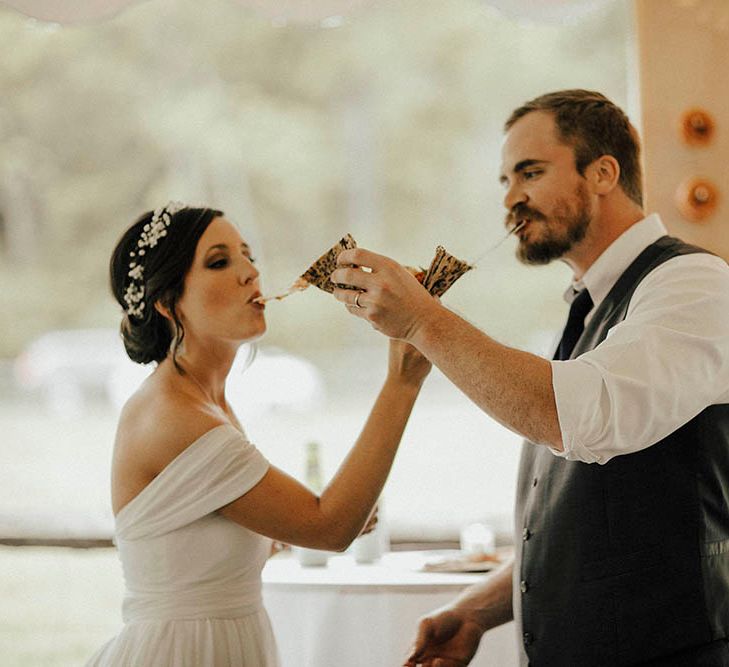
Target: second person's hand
388	296
447	638
406	363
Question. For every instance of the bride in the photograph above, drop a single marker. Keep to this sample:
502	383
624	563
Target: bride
197	505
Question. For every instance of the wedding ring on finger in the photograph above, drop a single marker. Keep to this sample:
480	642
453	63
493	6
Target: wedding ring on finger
356	300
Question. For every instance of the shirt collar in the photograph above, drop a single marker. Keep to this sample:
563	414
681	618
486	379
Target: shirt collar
617	257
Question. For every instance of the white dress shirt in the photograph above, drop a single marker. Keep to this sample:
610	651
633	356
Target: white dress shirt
659	367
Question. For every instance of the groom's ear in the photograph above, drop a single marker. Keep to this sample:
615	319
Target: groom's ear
603	174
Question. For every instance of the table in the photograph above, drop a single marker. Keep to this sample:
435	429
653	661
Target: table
364	615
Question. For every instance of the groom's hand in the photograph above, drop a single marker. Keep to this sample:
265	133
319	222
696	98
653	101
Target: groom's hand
448	638
390	298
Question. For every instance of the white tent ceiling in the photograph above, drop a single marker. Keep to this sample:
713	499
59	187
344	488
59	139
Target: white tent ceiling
59	11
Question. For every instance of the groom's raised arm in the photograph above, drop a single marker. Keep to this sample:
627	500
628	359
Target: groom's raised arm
512	386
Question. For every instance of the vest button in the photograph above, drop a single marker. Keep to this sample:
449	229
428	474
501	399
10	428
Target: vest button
534	482
523	586
528	638
525	534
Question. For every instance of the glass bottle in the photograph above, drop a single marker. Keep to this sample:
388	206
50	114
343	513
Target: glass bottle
313	479
313	475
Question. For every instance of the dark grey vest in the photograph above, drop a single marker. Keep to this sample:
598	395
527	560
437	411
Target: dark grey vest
620	563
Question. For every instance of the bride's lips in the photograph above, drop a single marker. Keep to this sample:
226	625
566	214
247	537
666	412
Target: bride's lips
252	301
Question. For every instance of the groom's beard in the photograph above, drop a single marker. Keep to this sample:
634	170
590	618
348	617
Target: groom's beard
557	234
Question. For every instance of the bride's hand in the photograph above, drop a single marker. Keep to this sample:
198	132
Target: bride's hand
407	363
278	547
371	523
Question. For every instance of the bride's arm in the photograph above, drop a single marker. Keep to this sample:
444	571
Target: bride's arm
285	510
278	547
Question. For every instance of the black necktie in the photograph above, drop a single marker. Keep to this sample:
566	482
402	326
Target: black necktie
581	305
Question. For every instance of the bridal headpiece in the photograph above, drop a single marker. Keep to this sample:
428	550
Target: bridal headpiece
152	232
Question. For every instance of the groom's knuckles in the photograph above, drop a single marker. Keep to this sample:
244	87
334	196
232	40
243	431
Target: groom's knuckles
344	276
346	257
357	256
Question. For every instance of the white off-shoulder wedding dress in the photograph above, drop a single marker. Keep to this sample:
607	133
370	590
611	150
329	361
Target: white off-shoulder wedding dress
193	577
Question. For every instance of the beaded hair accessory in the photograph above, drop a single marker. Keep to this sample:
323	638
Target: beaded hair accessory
152	232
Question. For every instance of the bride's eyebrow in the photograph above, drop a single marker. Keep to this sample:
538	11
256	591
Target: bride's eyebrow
224	246
217	246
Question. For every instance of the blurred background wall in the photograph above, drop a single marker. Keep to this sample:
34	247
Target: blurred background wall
683	50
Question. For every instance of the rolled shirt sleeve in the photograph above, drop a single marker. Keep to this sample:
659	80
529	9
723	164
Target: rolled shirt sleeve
656	370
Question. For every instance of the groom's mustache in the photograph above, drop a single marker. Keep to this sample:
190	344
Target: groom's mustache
521	212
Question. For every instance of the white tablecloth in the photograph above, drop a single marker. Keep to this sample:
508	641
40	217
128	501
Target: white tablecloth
364	615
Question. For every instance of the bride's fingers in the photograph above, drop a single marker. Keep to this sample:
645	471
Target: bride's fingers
371	523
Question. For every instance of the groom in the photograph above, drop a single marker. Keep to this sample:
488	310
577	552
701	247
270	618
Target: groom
622	515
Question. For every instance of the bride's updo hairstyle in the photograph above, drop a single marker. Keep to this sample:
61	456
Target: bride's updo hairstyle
149	264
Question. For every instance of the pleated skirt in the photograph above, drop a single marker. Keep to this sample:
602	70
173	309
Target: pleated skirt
199	642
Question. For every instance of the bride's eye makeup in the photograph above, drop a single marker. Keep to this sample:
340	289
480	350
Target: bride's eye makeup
246	250
218	263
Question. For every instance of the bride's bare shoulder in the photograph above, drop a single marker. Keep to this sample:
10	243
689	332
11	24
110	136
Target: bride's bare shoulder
157	423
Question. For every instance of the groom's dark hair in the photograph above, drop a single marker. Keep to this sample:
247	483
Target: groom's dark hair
593	126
